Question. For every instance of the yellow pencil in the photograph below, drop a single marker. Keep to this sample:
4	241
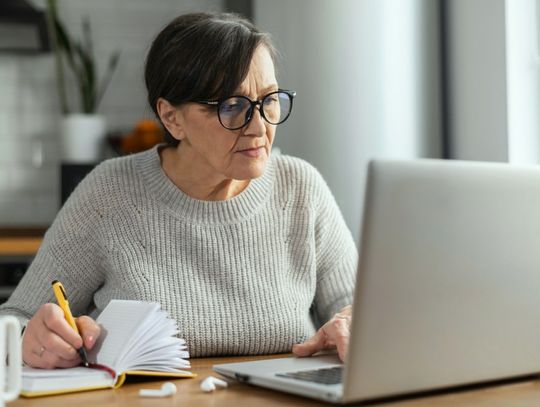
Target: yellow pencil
62	300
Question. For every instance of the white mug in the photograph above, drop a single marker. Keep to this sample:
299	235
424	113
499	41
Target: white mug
10	353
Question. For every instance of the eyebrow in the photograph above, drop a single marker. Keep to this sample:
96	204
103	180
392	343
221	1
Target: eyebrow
270	88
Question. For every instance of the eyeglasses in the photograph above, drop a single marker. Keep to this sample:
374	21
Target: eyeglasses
236	112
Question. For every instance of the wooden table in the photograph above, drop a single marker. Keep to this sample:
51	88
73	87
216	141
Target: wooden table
240	395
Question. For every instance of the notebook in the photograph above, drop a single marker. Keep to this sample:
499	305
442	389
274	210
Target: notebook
447	290
137	338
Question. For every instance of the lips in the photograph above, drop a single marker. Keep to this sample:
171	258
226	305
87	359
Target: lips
253	152
249	149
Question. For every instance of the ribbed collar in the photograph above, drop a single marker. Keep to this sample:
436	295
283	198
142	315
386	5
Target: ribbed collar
236	209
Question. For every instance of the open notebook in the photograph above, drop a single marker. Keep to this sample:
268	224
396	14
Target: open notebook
137	338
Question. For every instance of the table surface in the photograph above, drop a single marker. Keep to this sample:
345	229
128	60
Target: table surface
238	395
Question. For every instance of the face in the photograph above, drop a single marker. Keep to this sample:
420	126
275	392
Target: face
231	154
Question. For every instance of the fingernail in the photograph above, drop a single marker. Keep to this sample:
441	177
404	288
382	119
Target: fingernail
89	340
297	348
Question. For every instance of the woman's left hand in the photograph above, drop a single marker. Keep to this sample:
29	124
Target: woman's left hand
334	334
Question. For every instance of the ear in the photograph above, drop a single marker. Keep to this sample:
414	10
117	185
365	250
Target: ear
171	117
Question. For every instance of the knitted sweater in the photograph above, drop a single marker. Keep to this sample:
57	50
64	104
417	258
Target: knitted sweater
254	274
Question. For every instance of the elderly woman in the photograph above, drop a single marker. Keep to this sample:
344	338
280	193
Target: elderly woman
247	251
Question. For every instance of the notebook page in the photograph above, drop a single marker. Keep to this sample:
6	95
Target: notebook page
56	373
154	346
119	321
36	380
150	335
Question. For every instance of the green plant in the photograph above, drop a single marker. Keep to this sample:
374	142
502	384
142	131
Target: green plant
79	56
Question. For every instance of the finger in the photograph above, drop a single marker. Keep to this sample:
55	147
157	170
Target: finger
30	339
56	345
34	360
53	319
89	330
35	355
30	347
312	345
48	360
338	331
51	359
38	337
345	311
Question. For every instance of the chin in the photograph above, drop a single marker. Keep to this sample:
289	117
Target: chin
251	172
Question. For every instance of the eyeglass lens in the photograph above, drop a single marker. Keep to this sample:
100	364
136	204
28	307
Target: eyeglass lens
236	111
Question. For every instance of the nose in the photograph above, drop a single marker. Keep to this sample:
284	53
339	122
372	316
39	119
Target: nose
256	126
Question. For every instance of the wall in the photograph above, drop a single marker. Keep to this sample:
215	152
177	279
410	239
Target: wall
29	108
367	76
494	77
522	21
477	72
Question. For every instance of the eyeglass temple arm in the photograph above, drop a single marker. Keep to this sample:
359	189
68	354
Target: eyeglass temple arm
209	102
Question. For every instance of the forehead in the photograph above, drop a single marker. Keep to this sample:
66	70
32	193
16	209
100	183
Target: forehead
261	75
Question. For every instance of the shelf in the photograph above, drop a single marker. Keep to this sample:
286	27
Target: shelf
19	246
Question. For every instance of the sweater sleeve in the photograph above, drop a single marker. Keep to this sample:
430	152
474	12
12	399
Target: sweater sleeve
72	252
336	256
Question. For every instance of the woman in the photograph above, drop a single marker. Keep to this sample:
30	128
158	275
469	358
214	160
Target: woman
248	252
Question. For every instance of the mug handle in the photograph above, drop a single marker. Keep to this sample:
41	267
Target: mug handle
14	365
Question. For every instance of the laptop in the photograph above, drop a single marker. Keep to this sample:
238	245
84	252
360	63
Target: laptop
448	286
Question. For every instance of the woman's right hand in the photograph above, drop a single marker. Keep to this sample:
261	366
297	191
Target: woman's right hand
50	342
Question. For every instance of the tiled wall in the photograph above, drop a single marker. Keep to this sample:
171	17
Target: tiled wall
29	107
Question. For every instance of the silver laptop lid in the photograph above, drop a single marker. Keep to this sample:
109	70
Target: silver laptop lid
448	290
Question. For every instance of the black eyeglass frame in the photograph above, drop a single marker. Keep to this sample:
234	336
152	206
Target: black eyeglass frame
252	103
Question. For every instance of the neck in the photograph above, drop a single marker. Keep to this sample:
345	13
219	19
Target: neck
196	178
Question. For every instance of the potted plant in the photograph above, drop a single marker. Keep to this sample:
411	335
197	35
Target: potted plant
83	129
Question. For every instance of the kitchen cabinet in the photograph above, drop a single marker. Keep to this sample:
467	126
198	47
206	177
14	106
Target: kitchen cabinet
18	246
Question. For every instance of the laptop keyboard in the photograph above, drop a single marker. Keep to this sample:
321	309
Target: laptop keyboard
329	375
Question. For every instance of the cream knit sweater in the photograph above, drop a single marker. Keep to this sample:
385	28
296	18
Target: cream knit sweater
250	275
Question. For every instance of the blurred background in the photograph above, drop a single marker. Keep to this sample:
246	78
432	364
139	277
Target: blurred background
454	79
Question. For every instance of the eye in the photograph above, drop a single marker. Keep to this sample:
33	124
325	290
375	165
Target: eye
270	99
233	106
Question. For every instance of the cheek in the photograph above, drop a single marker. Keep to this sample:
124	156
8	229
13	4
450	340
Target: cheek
217	140
270	134
222	145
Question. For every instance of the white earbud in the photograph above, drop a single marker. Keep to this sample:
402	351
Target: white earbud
209	384
167	389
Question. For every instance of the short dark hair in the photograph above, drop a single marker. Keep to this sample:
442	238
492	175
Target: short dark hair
202	56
